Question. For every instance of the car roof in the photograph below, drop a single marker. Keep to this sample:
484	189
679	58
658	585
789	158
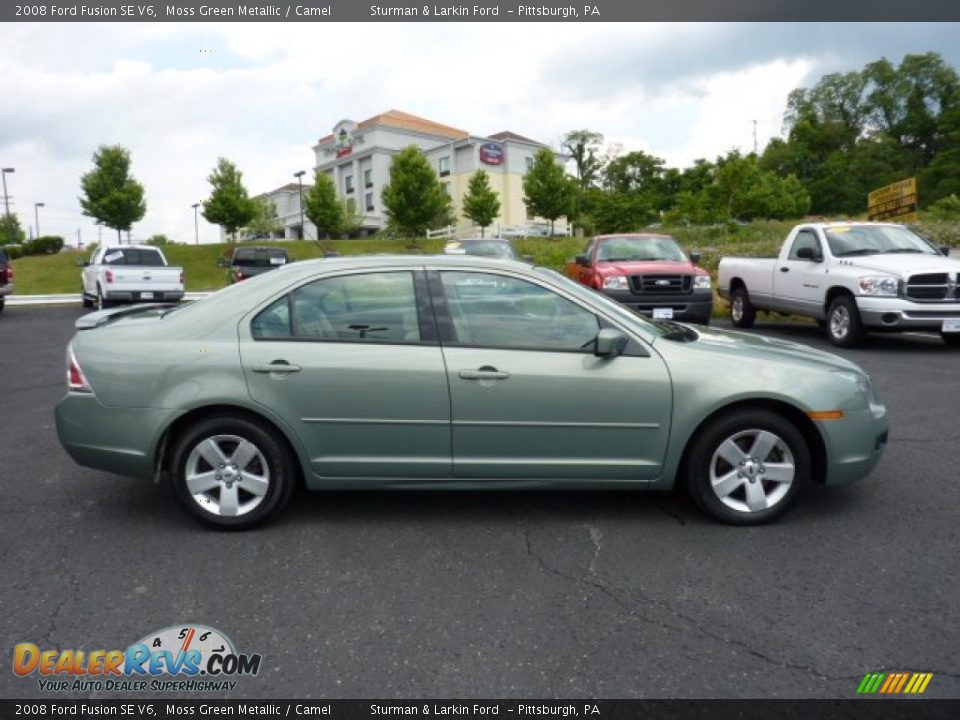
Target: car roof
636	235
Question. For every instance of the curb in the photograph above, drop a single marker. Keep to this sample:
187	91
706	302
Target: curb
70	299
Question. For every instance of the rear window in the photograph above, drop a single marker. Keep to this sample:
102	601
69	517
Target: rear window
133	256
257	257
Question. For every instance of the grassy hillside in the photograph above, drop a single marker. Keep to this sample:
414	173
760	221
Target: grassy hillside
59	273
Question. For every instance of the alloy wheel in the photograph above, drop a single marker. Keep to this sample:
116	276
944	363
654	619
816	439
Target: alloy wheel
227	475
752	470
840	322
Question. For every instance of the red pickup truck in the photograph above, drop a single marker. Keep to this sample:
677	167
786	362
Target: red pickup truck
648	273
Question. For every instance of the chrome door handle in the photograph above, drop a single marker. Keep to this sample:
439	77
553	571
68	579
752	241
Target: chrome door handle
484	373
277	367
784	269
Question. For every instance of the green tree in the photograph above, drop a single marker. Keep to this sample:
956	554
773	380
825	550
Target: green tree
946	208
548	192
321	205
481	204
229	205
264	222
159	240
110	194
583	146
352	217
413	199
10	231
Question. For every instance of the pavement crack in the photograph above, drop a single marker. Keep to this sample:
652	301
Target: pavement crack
66	599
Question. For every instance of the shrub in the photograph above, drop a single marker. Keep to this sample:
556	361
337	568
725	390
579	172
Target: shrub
43	245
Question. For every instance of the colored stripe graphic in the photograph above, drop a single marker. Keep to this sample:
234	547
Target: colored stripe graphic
894	683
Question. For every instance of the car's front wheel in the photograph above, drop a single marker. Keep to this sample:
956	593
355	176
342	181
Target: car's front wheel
742	312
844	326
232	472
747	467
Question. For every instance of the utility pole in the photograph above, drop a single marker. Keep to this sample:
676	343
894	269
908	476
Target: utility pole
299	176
754	136
36	215
6	200
196	224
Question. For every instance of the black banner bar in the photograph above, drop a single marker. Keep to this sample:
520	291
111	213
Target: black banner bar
133	709
477	11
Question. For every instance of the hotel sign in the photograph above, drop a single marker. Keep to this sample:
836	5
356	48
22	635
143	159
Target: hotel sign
491	154
896	202
345	138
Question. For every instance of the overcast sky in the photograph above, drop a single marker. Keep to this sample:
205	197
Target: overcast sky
180	95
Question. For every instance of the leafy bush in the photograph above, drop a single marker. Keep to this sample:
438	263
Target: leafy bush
13	251
43	245
159	240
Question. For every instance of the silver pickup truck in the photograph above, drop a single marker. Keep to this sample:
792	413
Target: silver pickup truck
852	277
129	273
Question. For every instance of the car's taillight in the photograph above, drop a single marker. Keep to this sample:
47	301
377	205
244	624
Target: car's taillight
76	380
9	273
109	276
238	275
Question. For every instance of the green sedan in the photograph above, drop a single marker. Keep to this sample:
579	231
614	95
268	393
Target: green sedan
453	372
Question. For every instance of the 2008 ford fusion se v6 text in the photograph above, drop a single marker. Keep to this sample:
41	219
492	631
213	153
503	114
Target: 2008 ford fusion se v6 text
453	372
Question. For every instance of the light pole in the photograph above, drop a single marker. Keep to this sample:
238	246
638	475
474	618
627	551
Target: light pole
36	215
196	223
299	176
6	199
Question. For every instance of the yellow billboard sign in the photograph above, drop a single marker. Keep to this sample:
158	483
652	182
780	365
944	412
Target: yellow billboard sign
897	202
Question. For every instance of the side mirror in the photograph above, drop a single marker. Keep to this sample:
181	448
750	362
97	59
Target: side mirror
944	250
808	253
695	258
582	260
609	343
223	263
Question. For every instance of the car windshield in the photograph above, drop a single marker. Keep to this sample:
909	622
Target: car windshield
490	248
649	248
851	240
259	257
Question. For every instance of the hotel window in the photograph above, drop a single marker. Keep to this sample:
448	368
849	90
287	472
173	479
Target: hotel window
348	183
445	166
529	161
368	198
368	178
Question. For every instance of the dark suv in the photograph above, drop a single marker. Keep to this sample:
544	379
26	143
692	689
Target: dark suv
247	262
6	278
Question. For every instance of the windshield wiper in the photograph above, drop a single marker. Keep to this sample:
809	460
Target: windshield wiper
904	250
858	251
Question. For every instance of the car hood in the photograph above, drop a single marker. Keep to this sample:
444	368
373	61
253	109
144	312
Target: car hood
902	266
730	341
640	267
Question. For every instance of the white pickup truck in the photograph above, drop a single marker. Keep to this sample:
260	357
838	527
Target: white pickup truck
129	273
851	277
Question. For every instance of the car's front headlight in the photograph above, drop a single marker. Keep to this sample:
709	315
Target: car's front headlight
701	282
617	282
879	286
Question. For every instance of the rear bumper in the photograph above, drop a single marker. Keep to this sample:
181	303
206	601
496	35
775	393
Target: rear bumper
135	296
6	289
114	439
696	306
899	314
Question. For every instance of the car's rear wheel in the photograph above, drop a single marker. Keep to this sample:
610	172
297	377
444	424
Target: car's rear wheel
746	468
85	300
951	338
742	312
3	301
844	326
102	302
231	472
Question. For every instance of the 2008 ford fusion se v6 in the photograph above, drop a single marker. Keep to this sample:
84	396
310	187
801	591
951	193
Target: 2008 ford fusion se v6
453	372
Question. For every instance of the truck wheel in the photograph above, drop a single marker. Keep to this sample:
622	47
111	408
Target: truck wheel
844	326
952	339
84	299
742	312
748	467
231	472
102	302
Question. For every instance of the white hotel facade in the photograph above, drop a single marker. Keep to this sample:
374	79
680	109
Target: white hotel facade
357	157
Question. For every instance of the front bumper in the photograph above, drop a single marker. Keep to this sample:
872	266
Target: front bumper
854	444
696	306
899	314
138	296
114	439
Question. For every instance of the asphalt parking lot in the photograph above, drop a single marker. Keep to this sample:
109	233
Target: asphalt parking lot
546	595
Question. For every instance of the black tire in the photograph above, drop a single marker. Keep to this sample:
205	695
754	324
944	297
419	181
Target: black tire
101	302
844	326
742	312
85	300
951	339
3	301
703	459
822	324
273	462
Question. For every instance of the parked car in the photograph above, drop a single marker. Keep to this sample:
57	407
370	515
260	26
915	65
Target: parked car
248	262
129	273
852	277
453	372
6	278
648	273
485	247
